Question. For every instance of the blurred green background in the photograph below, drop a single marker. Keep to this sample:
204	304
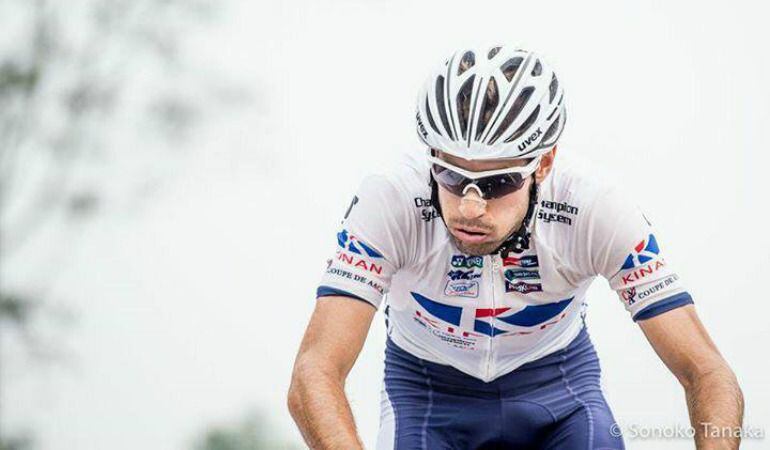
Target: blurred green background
98	101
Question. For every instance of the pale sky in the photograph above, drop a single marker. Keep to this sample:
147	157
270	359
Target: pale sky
190	309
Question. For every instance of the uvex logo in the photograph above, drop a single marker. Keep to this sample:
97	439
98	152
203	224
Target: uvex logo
532	138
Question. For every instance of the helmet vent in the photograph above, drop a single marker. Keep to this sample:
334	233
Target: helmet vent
464	104
538	69
488	106
553	87
518	105
468	61
442	106
525	126
551	130
493	52
430	117
510	67
550	116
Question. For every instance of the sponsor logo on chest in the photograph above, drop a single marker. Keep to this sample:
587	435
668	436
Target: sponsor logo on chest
522	287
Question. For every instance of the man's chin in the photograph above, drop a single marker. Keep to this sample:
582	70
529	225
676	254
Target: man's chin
481	249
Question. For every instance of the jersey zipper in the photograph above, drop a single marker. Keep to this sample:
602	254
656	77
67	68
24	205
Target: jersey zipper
490	354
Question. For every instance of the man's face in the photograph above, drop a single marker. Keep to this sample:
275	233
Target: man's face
478	229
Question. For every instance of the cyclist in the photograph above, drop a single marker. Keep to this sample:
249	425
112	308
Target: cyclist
484	249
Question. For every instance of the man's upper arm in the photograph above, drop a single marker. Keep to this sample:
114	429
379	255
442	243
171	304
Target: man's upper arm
370	248
336	333
682	343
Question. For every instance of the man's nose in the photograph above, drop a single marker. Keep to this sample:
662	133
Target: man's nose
472	205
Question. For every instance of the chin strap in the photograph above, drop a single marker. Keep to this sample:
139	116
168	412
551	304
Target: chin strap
518	241
434	197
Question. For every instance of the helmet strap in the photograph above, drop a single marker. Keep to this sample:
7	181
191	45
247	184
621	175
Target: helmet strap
434	197
518	241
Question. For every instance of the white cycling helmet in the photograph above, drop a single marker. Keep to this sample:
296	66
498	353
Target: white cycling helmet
490	103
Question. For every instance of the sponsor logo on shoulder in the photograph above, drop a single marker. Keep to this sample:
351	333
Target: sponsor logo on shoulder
643	272
632	295
358	262
357	253
629	296
354	245
559	207
643	261
560	214
342	273
646	250
427	211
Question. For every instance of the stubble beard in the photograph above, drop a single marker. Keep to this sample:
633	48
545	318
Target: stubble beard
475	249
486	248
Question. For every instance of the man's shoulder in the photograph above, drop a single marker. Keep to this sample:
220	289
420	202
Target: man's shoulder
404	185
409	174
572	190
393	210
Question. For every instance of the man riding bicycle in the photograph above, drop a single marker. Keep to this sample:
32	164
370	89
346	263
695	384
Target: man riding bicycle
484	249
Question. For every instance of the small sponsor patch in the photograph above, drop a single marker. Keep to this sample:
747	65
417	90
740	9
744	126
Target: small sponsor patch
519	274
467	262
629	296
521	261
462	288
463	274
522	287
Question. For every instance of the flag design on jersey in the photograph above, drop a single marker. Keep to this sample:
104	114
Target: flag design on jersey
646	250
530	316
352	244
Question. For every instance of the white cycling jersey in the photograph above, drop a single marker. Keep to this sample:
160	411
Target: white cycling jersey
488	315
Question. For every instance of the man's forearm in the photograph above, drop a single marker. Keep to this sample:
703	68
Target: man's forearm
715	403
318	405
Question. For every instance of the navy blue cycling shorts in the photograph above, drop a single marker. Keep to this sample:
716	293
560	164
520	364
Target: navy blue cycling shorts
554	402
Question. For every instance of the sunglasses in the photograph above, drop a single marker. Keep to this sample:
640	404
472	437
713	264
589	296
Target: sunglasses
491	183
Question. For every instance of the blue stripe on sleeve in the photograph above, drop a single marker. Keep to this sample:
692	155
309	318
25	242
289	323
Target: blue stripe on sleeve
325	291
661	306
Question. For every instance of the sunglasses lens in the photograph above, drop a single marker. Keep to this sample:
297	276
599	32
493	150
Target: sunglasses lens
500	185
450	180
492	187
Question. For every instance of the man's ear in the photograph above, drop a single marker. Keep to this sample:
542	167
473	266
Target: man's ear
546	164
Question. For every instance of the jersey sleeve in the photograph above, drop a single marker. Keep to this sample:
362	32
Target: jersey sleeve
371	244
625	250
